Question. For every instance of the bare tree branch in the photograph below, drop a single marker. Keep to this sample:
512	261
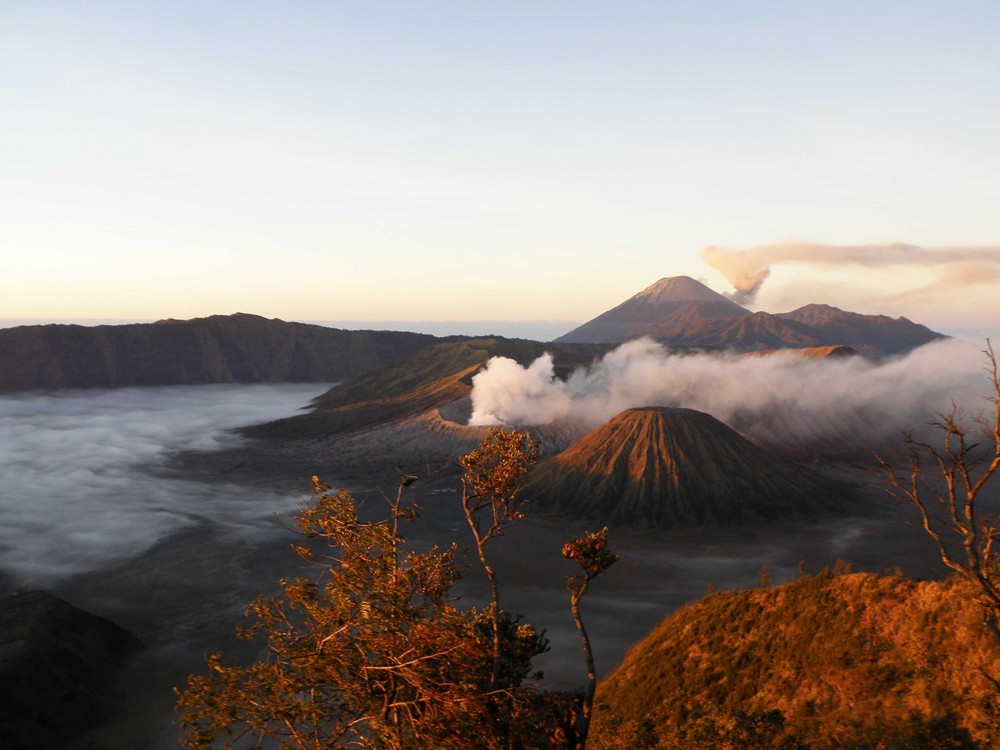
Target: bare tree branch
953	484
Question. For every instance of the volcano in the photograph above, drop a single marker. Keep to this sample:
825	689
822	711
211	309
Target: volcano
681	312
671	303
672	467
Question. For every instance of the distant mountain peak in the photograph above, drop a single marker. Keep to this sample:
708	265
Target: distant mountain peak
680	311
821	307
651	309
678	289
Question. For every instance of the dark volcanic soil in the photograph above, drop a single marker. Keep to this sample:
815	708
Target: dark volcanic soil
185	596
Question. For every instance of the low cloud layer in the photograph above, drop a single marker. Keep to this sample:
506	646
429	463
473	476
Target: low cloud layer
77	494
958	267
833	406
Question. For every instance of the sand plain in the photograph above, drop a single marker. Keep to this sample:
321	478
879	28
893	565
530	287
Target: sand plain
186	595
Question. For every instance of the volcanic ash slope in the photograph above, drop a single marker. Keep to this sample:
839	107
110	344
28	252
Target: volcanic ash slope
668	467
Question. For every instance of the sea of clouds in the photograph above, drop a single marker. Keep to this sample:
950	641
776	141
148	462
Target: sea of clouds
81	479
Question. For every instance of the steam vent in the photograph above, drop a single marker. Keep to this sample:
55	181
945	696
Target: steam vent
671	467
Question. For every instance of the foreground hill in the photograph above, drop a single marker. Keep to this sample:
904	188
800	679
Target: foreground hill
57	668
680	311
668	467
845	661
236	348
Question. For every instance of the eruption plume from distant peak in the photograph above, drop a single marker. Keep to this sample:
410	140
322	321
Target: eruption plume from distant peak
747	269
744	273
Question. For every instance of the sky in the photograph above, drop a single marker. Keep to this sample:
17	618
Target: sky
531	162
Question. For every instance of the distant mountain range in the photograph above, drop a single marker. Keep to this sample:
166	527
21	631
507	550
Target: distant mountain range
679	311
236	348
242	348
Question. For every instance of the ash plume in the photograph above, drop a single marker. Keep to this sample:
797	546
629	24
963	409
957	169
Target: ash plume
841	406
748	269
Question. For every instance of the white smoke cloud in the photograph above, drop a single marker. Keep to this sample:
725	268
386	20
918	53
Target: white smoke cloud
518	393
838	405
78	492
960	267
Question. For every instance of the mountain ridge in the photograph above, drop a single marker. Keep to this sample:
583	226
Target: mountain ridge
679	311
238	348
433	377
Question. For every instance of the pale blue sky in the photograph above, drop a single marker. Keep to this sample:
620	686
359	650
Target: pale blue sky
459	161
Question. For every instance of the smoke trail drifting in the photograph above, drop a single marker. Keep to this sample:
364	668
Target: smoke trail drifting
747	269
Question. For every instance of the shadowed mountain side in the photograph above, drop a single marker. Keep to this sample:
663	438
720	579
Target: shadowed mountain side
877	334
759	330
690	314
236	348
57	668
868	334
668	467
430	379
827	661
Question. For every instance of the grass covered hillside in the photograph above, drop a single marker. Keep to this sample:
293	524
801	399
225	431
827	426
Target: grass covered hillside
826	661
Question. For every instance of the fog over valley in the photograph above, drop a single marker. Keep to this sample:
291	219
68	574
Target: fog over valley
84	478
87	481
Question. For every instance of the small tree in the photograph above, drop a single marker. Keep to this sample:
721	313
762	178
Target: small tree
592	553
945	483
372	653
491	486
